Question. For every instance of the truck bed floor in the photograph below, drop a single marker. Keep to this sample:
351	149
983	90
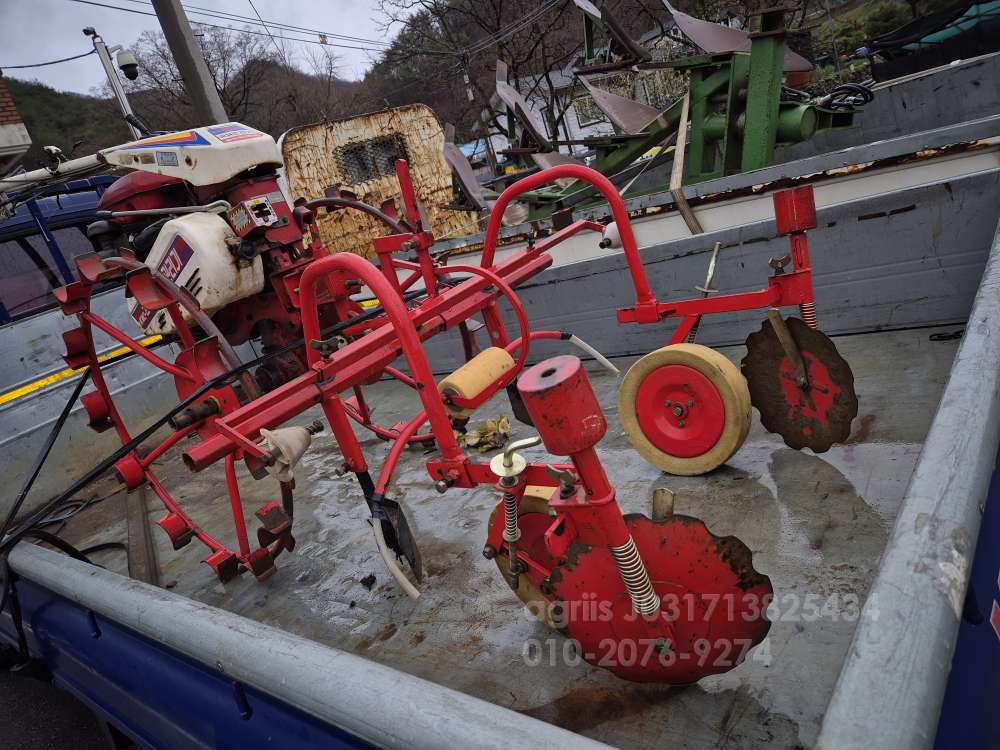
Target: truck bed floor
817	525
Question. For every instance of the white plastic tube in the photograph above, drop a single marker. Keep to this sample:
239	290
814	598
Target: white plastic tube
601	359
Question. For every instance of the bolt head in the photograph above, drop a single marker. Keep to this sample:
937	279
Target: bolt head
441	486
691	402
668	404
682	423
489	553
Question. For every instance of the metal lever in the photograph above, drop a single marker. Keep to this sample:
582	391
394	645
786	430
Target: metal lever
710	276
509	463
215	207
705	291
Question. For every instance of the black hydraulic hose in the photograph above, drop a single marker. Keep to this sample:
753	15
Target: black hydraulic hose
107	463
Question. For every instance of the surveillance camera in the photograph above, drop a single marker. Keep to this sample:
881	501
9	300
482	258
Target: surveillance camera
128	64
89	31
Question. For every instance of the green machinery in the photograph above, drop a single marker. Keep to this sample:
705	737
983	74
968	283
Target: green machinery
739	108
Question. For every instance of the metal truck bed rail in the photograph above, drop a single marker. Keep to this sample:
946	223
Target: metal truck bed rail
129	651
893	682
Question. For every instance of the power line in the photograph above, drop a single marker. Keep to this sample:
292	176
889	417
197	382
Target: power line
227	16
278	24
50	62
241	31
195	10
281	52
511	29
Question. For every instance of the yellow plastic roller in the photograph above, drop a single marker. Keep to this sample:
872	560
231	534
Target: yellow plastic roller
472	378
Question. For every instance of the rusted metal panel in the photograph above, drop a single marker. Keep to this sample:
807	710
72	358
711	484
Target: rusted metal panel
358	154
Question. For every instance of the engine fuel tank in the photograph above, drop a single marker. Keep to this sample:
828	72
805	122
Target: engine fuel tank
193	251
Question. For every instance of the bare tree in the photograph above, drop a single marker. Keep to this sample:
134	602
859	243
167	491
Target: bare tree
261	81
530	37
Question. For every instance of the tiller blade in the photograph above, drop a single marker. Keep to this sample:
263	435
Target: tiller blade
652	601
713	601
814	416
397	533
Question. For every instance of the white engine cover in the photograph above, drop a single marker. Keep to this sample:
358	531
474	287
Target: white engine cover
201	156
192	251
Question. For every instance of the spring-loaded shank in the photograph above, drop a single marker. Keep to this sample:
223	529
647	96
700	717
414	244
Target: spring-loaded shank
636	579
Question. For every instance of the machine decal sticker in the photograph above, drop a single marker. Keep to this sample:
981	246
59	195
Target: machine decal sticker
184	138
173	263
166	158
239	219
232	132
251	213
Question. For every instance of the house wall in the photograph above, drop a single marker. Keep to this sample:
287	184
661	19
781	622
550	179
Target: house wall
14	138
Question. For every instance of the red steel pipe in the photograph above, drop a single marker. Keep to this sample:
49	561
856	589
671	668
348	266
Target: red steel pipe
402	326
644	295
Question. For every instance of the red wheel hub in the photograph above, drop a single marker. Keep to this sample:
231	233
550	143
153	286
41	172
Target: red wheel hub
813	403
680	411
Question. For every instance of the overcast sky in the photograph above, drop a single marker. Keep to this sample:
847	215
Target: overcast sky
34	31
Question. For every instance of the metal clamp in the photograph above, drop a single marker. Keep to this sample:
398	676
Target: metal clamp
778	264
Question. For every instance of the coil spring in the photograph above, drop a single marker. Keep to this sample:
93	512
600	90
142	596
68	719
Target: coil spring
511	532
693	333
636	579
808	311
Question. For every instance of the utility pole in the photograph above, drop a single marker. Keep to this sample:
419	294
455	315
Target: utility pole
190	62
116	84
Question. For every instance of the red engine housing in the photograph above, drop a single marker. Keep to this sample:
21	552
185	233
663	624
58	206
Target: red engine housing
140	191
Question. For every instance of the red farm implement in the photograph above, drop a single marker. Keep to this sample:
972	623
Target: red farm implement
691	603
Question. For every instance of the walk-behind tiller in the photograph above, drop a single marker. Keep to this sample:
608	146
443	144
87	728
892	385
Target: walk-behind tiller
654	600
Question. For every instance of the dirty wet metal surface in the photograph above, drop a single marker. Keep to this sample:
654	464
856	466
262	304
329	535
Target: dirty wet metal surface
816	524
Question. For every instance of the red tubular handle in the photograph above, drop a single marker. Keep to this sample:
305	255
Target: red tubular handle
644	295
395	310
515	303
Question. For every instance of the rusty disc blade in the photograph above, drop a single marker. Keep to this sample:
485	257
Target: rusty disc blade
711	596
816	416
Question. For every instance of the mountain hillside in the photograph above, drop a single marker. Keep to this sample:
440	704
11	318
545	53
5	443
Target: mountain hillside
59	118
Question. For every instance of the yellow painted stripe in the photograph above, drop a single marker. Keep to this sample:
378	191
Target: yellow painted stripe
369	303
24	390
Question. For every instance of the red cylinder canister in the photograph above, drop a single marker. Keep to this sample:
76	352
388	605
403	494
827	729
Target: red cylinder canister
562	405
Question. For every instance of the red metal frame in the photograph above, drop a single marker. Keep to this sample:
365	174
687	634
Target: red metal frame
795	211
335	379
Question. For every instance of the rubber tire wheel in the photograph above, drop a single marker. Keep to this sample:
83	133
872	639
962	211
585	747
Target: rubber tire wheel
729	383
529	594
